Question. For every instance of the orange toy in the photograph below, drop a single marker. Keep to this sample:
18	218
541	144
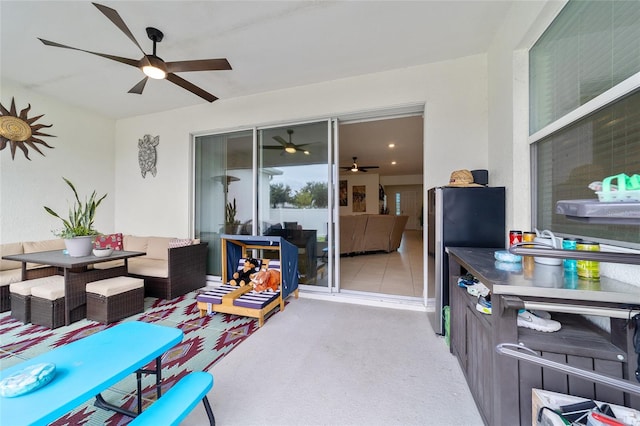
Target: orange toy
266	280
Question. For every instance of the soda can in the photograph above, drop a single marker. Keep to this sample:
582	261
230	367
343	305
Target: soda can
528	237
570	265
588	268
515	237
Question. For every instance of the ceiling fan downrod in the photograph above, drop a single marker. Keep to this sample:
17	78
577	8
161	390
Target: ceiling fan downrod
156	36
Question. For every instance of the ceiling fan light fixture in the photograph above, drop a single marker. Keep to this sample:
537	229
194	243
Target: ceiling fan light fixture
153	72
356	169
290	150
154	67
306	152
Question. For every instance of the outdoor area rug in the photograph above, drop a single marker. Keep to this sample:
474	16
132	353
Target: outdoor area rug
206	341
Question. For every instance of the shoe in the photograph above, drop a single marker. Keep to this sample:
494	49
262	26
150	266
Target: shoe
528	320
478	289
467	280
484	304
542	314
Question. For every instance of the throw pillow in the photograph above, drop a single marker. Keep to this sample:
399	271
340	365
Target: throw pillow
179	242
113	241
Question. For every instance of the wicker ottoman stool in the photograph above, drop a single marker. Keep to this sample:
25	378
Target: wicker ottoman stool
47	304
115	298
21	295
5	299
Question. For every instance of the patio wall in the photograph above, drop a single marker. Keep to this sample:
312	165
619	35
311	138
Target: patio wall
83	151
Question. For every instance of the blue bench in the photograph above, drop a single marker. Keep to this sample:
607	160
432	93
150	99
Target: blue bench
172	407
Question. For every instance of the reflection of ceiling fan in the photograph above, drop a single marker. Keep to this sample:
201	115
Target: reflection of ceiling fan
355	168
289	147
151	65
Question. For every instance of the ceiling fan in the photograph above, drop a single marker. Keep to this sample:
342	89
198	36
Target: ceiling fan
356	168
289	147
152	65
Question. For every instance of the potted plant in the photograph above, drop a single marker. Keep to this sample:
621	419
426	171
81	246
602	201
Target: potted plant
78	232
230	218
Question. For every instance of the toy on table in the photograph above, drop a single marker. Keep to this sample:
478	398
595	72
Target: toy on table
243	276
266	280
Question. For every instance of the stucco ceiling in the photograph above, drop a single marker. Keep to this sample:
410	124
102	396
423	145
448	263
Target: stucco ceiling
271	45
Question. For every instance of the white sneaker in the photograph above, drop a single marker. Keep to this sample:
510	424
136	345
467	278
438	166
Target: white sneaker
527	320
541	314
478	289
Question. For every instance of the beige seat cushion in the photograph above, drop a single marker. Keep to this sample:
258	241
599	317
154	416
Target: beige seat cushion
158	248
110	264
10	248
10	276
149	267
44	245
112	286
133	243
24	287
50	290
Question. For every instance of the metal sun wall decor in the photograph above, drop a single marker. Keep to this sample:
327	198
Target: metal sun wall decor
19	131
147	154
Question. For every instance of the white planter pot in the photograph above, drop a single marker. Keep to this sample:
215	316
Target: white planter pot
79	246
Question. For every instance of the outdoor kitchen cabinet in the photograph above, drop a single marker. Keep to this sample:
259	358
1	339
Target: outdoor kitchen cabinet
501	385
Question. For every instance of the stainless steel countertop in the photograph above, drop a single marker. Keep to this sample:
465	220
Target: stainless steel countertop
532	279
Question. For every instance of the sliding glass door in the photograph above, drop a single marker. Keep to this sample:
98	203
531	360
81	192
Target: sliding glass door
294	195
269	181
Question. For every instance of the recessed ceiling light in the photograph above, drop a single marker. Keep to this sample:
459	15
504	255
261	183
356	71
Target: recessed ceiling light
391	145
393	162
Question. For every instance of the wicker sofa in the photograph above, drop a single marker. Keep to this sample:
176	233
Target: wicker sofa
11	272
370	233
171	267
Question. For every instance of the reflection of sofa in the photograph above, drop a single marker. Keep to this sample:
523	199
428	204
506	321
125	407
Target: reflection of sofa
368	233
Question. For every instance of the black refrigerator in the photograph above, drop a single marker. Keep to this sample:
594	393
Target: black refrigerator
460	217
